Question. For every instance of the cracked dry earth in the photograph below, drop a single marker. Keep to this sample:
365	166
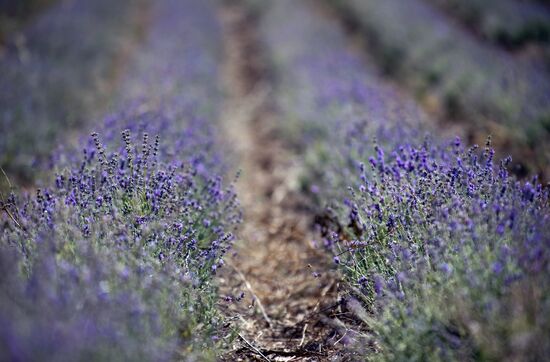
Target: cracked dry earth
290	289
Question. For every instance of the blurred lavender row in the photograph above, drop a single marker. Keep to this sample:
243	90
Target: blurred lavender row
328	94
482	84
58	73
446	256
113	260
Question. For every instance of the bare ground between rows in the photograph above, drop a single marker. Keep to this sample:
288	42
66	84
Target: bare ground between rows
290	287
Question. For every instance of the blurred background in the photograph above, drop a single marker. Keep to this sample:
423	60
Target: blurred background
480	66
62	62
458	254
13	14
477	67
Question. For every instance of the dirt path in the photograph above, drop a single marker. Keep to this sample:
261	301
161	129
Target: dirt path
289	286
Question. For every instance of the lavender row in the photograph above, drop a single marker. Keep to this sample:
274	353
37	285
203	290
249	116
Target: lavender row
57	73
114	259
508	23
327	93
446	256
474	81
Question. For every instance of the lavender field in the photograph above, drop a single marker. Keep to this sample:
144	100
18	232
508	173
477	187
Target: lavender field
284	180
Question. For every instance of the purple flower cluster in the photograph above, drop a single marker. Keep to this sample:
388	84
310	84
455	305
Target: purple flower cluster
114	258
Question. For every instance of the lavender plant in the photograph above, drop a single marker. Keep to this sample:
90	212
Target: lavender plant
114	258
445	254
118	256
450	254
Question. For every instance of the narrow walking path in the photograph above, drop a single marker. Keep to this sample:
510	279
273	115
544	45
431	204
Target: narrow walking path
288	285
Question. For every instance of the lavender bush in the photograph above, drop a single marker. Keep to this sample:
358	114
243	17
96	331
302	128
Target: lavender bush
446	256
118	257
449	254
114	258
